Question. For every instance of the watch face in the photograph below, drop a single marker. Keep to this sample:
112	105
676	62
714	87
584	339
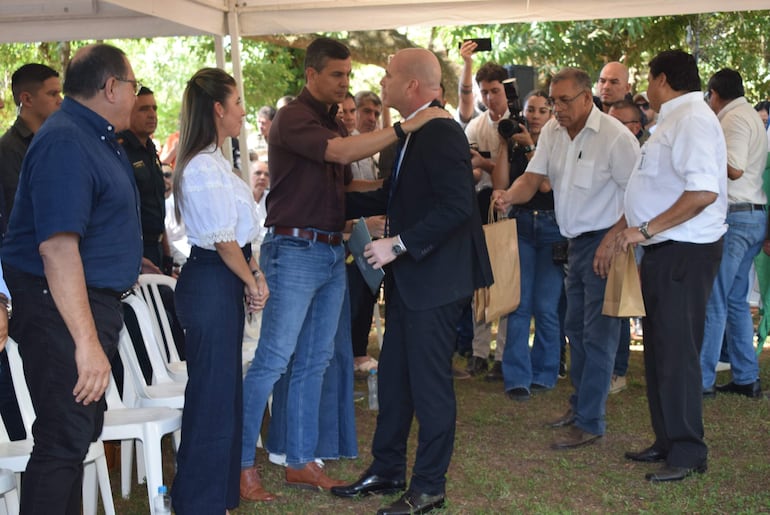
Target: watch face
398	249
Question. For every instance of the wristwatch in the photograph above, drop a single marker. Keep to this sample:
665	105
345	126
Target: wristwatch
5	301
643	230
398	247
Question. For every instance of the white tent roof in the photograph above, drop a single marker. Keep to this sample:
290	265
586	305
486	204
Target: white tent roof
62	20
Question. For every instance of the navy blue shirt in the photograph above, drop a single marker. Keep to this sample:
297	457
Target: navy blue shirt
76	179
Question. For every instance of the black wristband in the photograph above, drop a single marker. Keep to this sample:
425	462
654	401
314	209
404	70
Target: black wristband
399	131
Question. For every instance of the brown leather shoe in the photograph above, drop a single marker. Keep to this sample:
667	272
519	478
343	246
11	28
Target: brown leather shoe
311	477
565	420
251	486
574	437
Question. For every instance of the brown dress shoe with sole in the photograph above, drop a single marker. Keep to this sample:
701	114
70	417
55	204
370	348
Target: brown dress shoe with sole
312	477
574	437
565	420
251	486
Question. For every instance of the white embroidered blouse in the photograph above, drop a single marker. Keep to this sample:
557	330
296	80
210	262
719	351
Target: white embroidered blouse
218	205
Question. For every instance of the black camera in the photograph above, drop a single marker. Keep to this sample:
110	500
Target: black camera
510	126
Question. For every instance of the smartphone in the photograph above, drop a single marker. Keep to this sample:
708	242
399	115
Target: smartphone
484	44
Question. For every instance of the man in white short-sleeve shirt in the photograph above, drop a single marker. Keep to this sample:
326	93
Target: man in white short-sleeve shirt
728	316
676	203
588	157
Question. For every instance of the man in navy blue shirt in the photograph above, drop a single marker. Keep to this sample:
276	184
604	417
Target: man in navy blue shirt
74	246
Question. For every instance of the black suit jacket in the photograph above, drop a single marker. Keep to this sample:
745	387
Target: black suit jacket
433	209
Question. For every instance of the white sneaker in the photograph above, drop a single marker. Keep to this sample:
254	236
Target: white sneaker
722	366
617	383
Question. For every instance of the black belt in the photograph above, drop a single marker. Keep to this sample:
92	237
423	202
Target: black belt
152	239
656	246
590	234
745	206
119	295
334	238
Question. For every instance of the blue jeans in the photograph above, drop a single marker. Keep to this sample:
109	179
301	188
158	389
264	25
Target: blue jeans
727	311
593	337
307	285
542	281
337	417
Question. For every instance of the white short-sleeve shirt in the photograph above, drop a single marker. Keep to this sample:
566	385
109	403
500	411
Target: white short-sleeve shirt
686	152
218	205
588	174
746	151
482	131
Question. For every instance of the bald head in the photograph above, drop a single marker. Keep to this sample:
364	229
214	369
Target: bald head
613	85
412	79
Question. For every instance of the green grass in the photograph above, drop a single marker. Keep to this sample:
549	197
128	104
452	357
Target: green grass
502	462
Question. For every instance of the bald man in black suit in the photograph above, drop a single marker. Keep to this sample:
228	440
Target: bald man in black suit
434	258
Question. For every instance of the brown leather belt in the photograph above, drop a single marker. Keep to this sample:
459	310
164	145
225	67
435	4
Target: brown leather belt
334	238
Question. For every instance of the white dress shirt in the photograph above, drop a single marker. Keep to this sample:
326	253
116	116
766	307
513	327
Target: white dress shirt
588	173
217	204
687	152
746	150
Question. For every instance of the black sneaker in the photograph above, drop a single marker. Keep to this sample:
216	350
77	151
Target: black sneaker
518	394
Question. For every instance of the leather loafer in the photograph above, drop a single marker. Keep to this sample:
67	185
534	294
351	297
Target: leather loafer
574	437
669	473
648	455
413	502
751	390
311	477
565	420
369	484
710	392
251	488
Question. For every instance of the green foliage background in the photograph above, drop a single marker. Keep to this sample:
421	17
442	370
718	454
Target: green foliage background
272	65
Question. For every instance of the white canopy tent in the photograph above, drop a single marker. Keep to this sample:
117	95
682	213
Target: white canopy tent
61	20
65	20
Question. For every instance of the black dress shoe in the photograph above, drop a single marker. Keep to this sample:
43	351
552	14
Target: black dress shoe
413	502
518	394
669	473
648	455
710	392
369	484
565	420
752	390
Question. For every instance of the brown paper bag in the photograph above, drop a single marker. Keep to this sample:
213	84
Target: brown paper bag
504	295
623	292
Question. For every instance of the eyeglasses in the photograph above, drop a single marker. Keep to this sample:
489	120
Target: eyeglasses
643	105
135	83
562	102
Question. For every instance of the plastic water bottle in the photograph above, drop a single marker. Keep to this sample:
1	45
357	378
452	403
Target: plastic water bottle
162	501
371	381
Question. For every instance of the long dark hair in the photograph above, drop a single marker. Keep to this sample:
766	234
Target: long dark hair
197	129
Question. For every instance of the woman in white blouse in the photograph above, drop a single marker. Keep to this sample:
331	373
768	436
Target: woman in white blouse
219	214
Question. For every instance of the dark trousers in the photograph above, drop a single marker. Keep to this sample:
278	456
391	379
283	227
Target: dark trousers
676	284
209	302
361	308
63	429
415	379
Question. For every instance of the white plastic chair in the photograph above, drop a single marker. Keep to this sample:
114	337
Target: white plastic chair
149	290
147	426
136	392
9	492
161	373
15	455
